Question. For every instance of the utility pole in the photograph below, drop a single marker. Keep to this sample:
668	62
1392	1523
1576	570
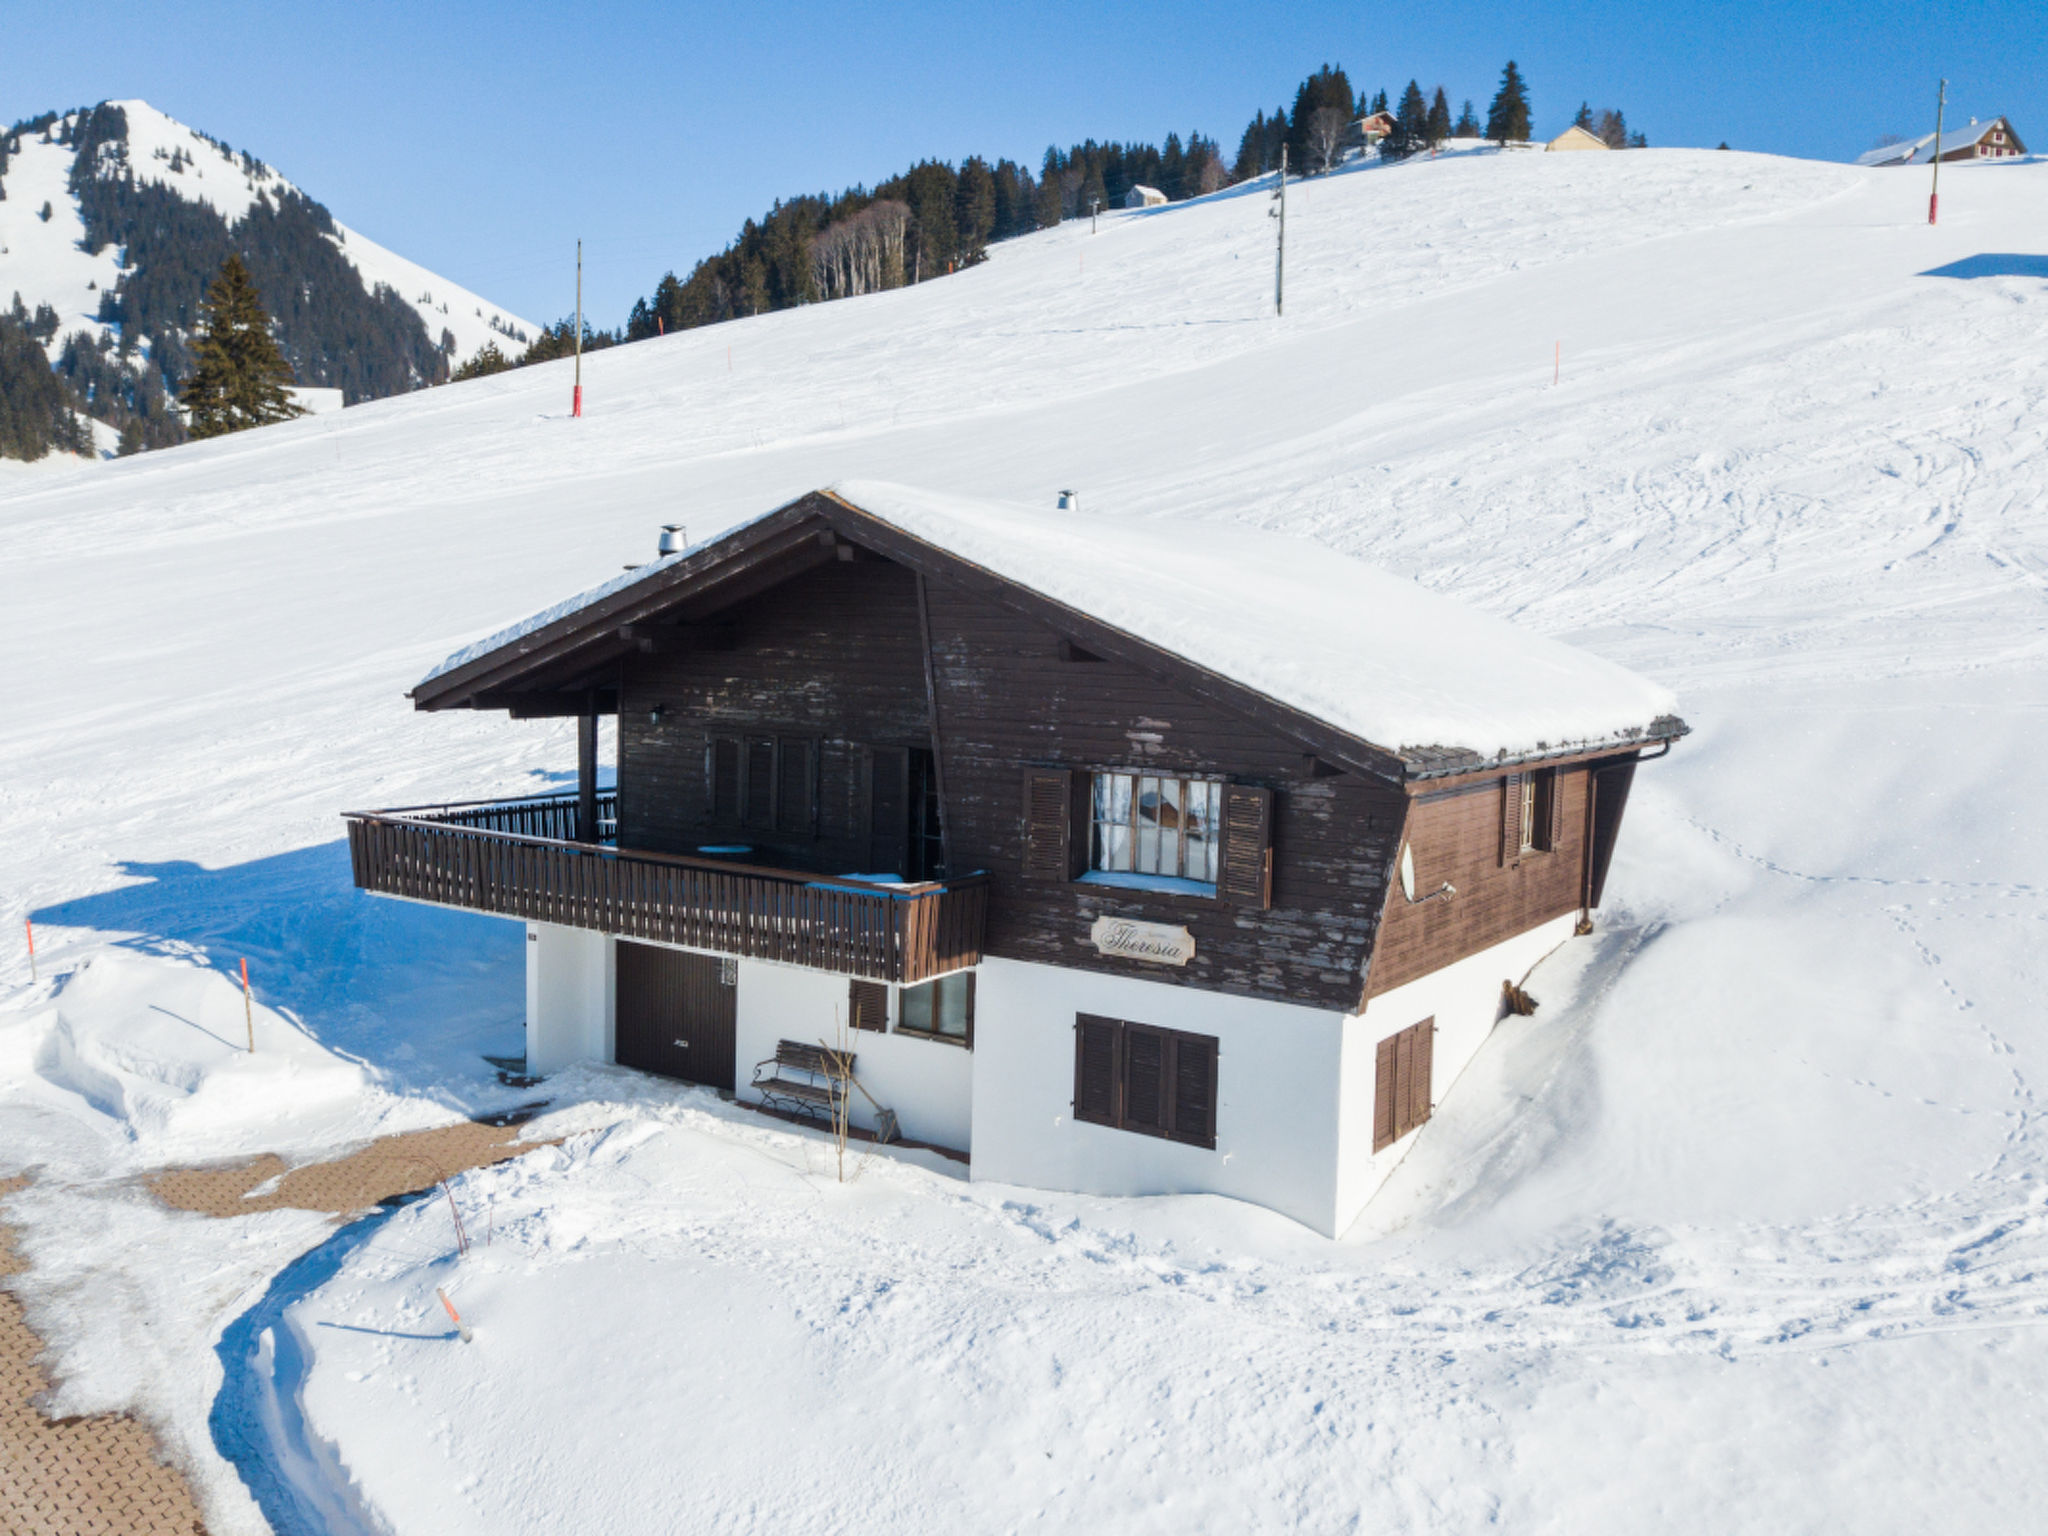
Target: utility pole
1934	191
1280	251
578	410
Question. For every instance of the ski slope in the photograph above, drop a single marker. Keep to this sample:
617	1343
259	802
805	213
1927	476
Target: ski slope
1746	1230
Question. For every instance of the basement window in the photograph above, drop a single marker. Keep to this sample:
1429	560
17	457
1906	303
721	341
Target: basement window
942	1008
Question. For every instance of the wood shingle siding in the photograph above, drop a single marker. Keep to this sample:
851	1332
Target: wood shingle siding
1469	837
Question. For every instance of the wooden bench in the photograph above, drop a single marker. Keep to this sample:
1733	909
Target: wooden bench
804	1079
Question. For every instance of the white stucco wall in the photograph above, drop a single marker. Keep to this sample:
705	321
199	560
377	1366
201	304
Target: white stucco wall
1465	1000
927	1082
1276	1088
569	976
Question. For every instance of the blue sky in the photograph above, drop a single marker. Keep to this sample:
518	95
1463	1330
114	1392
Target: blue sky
483	139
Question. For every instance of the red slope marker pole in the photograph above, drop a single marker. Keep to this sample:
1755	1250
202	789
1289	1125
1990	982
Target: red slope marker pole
29	924
248	1008
577	408
1934	187
454	1316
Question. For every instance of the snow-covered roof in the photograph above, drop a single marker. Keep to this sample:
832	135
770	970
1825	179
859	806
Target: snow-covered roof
1372	655
1921	150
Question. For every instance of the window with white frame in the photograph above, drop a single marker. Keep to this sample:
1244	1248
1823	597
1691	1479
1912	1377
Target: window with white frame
1155	824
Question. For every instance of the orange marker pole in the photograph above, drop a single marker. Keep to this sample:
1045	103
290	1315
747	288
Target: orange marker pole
454	1316
29	924
248	1007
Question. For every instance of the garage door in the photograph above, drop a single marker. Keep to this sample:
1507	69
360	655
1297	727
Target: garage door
676	1014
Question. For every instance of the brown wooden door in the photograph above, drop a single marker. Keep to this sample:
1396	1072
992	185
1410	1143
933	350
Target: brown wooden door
677	1014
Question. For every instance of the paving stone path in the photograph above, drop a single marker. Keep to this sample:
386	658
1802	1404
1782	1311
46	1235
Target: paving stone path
106	1473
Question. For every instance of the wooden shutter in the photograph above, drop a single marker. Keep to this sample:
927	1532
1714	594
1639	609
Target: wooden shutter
867	1005
888	810
1097	1047
1048	832
1194	1089
1510	819
758	783
1147	1078
970	1010
1401	1083
1550	797
1245	865
723	762
796	787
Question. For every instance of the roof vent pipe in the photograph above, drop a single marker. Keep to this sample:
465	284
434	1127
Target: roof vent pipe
675	538
1070	501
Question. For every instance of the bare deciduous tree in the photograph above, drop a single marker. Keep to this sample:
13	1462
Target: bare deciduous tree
863	254
1326	129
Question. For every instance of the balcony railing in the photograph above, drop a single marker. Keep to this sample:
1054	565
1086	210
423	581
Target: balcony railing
518	859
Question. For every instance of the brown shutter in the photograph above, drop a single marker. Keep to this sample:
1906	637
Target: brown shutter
1401	1083
1423	1044
1552	785
1194	1089
1146	1074
725	779
1510	819
758	793
1048	794
1245	864
867	1005
796	787
1383	1094
970	1010
1096	1050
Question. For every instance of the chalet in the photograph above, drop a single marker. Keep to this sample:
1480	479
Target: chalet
1144	197
1993	140
1373	127
1140	856
1575	137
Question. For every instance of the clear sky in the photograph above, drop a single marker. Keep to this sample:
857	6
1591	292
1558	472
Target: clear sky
483	139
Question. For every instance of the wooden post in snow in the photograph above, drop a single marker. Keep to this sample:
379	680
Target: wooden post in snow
1280	248
578	406
248	1007
1934	189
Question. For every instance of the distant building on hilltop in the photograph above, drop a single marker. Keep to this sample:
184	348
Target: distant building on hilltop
1107	861
1575	138
1374	127
1991	140
1144	197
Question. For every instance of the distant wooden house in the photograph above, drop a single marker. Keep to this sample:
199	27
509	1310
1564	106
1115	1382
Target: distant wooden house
1373	127
1119	860
1991	140
1144	197
1577	138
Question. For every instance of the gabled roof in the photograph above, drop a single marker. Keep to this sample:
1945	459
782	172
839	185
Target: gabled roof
1366	668
1920	151
1576	137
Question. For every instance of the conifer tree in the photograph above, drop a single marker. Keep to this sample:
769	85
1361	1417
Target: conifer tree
1467	126
1584	117
1411	124
1379	102
1507	120
1439	119
242	377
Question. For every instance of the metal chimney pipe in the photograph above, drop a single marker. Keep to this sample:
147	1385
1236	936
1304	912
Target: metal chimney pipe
1070	501
675	538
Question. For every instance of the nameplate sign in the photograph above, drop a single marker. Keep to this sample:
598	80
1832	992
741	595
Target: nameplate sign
1156	942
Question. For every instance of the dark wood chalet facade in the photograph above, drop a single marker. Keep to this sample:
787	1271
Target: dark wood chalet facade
851	756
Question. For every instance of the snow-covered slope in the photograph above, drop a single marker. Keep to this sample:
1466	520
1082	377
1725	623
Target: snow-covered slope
1744	1231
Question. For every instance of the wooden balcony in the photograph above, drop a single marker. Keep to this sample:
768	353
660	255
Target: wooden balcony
519	859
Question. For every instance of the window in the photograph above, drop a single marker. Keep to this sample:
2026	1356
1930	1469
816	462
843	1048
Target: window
942	1008
1146	824
1136	1077
763	783
1401	1086
1532	814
